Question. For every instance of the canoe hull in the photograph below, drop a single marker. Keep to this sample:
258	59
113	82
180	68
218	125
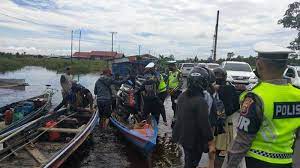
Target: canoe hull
28	117
146	145
71	147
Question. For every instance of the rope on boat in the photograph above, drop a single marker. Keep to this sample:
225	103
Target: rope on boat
21	147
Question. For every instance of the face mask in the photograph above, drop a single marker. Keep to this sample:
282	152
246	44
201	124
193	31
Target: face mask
256	73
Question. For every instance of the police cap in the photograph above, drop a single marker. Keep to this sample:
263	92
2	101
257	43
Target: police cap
271	51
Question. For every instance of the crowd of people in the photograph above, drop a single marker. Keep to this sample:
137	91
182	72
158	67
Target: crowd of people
202	123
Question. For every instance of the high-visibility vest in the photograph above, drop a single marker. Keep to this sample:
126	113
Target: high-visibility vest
281	109
162	84
173	80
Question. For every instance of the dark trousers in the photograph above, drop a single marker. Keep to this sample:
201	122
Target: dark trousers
174	96
162	96
192	157
255	163
152	106
104	108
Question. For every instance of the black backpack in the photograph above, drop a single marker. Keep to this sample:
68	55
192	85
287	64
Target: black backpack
220	114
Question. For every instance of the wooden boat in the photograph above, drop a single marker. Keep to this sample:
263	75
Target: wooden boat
42	103
9	83
142	135
38	144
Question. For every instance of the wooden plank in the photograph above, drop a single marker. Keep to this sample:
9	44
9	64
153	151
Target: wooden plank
63	130
37	155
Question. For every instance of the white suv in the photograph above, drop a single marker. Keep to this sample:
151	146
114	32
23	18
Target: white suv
293	73
186	68
239	73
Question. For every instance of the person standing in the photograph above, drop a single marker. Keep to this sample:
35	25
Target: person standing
103	94
152	104
269	115
162	90
174	84
192	129
227	93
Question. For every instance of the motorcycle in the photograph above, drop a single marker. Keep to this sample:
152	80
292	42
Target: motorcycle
128	101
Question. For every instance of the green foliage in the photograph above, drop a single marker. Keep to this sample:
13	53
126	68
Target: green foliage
291	19
10	62
163	62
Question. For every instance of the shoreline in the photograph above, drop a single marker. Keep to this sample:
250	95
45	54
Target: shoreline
13	63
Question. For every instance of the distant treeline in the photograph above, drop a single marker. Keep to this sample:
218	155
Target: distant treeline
11	62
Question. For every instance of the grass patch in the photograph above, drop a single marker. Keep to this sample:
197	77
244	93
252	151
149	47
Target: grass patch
12	62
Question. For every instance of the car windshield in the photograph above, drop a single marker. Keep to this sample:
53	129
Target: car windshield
188	65
212	66
237	67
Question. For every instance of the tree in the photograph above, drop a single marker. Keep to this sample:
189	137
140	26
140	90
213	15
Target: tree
230	55
171	57
291	19
196	59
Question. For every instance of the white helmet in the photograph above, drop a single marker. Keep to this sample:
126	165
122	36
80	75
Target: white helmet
150	65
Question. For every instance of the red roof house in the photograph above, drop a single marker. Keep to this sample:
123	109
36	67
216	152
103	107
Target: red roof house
98	55
82	55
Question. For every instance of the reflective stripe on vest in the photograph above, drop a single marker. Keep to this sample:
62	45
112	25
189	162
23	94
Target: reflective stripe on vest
162	84
173	79
276	136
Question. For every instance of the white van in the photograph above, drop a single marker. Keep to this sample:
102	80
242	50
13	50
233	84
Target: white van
186	68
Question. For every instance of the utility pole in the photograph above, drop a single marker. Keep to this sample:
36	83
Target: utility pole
79	41
112	41
71	46
216	38
140	50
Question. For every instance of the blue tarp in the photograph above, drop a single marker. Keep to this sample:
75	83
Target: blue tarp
125	68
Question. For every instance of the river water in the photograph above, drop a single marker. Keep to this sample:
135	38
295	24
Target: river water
104	148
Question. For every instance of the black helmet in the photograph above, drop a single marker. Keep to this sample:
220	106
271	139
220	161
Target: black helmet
211	75
198	79
220	73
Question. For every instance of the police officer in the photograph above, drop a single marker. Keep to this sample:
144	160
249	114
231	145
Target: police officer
162	88
174	83
269	115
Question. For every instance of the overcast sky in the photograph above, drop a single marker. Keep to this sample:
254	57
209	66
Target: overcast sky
184	28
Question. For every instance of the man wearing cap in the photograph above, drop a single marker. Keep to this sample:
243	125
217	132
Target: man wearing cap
174	83
269	115
150	92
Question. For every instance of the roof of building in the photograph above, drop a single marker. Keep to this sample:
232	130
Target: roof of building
82	54
98	54
145	56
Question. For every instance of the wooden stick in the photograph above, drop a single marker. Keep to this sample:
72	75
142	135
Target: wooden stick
64	130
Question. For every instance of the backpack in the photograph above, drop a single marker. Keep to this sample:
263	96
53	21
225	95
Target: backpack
150	88
220	115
